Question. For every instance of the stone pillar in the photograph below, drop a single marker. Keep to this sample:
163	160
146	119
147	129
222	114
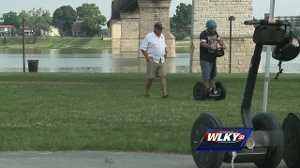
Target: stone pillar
116	29
152	11
130	32
242	45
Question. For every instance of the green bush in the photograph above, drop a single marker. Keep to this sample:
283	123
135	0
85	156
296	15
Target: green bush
181	35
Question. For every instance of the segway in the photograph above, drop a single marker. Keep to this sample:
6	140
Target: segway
288	50
265	147
291	125
200	92
291	131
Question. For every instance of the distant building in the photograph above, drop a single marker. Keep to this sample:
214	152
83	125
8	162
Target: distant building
28	31
76	29
7	30
53	32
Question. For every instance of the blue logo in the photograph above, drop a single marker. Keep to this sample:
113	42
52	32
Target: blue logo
224	139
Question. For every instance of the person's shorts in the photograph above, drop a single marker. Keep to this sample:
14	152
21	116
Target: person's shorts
209	70
155	70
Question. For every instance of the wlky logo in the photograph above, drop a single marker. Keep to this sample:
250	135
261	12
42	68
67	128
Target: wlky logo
224	139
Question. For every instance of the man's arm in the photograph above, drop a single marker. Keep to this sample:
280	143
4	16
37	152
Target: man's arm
145	55
204	44
166	53
203	40
144	47
221	42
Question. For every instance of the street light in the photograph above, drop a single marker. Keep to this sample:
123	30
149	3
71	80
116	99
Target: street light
23	41
231	19
268	61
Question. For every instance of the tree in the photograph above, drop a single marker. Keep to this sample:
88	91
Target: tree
26	17
91	18
11	18
36	19
39	19
63	19
181	22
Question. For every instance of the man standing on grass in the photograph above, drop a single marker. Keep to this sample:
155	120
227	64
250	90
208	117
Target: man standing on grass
154	50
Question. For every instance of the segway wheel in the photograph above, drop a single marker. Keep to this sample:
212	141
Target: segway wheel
207	159
291	131
267	122
221	91
200	91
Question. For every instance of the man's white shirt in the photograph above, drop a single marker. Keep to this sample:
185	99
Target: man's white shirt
155	47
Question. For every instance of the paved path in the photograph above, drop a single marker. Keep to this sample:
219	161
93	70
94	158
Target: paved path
88	159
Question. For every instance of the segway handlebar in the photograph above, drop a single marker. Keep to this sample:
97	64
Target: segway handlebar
265	22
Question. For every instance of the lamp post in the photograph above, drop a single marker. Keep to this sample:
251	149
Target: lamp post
23	42
231	19
268	61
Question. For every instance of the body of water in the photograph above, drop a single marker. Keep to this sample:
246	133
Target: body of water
85	61
54	60
288	67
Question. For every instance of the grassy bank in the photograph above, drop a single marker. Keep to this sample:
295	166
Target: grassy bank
56	43
183	46
108	111
71	43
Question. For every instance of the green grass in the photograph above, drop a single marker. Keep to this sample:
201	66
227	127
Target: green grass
57	43
108	111
183	46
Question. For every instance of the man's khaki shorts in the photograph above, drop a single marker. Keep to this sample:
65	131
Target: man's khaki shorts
156	70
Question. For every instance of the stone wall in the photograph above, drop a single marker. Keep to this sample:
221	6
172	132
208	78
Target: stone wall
220	10
157	11
134	25
130	31
116	33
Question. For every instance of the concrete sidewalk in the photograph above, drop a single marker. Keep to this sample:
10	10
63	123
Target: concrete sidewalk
89	159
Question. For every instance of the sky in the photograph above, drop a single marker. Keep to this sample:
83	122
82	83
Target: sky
283	7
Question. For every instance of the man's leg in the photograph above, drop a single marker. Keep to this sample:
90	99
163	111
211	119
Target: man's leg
148	84
163	86
149	78
163	80
213	76
205	68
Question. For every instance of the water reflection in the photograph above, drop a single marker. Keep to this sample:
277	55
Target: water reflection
78	60
288	67
85	61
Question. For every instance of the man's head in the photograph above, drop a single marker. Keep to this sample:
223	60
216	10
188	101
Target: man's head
211	26
158	28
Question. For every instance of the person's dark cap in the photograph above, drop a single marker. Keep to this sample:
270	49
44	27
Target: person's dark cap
158	26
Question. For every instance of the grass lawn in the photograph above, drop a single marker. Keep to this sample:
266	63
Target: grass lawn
108	111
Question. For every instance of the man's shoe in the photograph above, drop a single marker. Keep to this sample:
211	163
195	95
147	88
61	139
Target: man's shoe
165	96
214	93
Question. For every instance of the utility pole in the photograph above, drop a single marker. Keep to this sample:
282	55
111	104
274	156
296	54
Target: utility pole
268	62
231	19
23	43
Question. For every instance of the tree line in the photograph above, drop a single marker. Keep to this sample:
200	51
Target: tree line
89	15
181	22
